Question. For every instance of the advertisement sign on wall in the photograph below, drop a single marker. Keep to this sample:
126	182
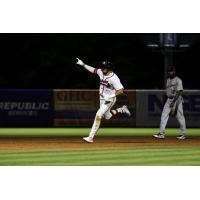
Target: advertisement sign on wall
26	108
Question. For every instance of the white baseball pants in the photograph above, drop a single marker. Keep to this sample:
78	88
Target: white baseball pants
103	112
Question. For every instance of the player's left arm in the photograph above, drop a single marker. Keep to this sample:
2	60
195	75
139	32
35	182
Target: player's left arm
119	92
177	95
179	92
119	89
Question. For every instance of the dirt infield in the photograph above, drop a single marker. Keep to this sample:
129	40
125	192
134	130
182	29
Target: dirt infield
34	143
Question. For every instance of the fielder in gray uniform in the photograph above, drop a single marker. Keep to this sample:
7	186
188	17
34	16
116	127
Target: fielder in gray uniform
173	105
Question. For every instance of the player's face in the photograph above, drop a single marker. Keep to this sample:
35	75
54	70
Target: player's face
105	71
171	74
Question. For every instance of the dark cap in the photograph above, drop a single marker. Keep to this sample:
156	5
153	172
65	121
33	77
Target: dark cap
106	64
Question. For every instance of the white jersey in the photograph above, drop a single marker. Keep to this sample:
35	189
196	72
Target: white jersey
108	84
173	85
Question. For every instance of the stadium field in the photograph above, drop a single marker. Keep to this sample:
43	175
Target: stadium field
113	146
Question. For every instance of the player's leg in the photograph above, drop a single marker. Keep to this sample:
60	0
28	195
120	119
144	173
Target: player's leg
165	116
116	112
181	119
94	129
164	119
108	114
100	113
104	107
121	110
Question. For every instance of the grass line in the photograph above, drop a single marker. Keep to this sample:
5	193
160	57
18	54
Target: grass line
84	131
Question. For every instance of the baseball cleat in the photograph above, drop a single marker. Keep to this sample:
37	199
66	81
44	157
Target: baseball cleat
181	137
125	110
88	139
159	135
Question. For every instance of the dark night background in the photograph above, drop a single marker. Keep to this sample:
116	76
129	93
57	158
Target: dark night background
48	60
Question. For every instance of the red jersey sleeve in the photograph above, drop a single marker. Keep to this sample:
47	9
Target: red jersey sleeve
95	70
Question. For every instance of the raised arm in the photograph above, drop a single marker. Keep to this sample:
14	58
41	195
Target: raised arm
87	67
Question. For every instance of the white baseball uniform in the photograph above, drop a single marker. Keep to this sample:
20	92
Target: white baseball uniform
172	86
108	86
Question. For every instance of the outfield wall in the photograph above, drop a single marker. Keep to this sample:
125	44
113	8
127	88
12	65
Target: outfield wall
77	108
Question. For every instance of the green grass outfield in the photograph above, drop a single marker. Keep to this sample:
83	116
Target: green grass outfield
142	156
84	131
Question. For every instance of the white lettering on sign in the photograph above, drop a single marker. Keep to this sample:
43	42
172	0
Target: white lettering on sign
24	105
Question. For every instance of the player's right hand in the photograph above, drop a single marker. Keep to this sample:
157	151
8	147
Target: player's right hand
79	62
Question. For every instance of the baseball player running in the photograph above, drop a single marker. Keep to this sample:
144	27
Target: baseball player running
173	105
110	88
